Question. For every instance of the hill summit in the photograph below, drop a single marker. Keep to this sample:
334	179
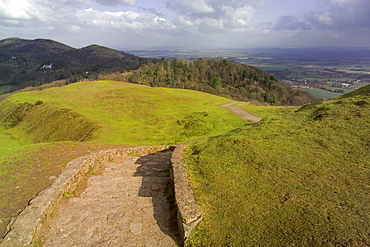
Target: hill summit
220	77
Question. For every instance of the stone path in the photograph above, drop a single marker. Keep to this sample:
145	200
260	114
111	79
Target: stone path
124	206
241	112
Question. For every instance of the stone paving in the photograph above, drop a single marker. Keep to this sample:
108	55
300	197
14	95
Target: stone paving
124	206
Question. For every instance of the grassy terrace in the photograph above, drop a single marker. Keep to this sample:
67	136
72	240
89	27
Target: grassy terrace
297	178
42	130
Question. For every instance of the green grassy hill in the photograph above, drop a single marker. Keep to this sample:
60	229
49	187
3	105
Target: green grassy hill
116	113
40	131
300	177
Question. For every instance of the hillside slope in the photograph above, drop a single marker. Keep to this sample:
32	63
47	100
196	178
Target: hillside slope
34	62
220	77
116	113
298	177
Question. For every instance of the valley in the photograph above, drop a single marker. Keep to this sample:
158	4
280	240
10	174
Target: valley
325	72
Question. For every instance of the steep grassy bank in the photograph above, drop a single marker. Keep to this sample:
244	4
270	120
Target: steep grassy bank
41	122
296	178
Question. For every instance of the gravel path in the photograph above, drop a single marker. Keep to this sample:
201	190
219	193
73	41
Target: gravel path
242	113
124	206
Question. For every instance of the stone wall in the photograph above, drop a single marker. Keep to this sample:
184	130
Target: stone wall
188	212
26	226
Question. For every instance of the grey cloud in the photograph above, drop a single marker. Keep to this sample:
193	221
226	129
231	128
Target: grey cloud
289	22
146	10
213	16
341	15
190	7
117	2
336	15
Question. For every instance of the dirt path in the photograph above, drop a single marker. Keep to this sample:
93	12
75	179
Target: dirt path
124	206
242	113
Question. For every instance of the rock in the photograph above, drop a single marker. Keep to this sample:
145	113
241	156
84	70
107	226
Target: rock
135	227
114	216
155	187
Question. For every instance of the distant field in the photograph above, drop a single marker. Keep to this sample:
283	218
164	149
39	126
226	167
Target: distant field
319	93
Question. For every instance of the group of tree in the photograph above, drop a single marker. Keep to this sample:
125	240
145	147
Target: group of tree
220	77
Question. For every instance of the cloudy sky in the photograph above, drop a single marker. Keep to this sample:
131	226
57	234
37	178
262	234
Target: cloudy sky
142	24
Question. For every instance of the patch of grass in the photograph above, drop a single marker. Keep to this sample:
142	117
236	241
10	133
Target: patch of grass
295	178
135	114
92	172
133	154
167	174
68	194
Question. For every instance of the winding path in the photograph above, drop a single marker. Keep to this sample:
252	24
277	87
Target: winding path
124	206
241	112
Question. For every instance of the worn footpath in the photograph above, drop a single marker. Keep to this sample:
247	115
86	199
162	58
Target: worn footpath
128	204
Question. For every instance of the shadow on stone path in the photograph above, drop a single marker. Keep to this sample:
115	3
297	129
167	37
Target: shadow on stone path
124	206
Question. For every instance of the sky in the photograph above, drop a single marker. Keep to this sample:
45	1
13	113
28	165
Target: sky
191	24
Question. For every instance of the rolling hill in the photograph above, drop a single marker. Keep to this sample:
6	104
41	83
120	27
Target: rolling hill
26	63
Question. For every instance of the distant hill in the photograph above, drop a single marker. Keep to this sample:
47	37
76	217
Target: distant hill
26	63
220	77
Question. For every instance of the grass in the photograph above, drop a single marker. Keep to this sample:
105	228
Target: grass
135	114
296	178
